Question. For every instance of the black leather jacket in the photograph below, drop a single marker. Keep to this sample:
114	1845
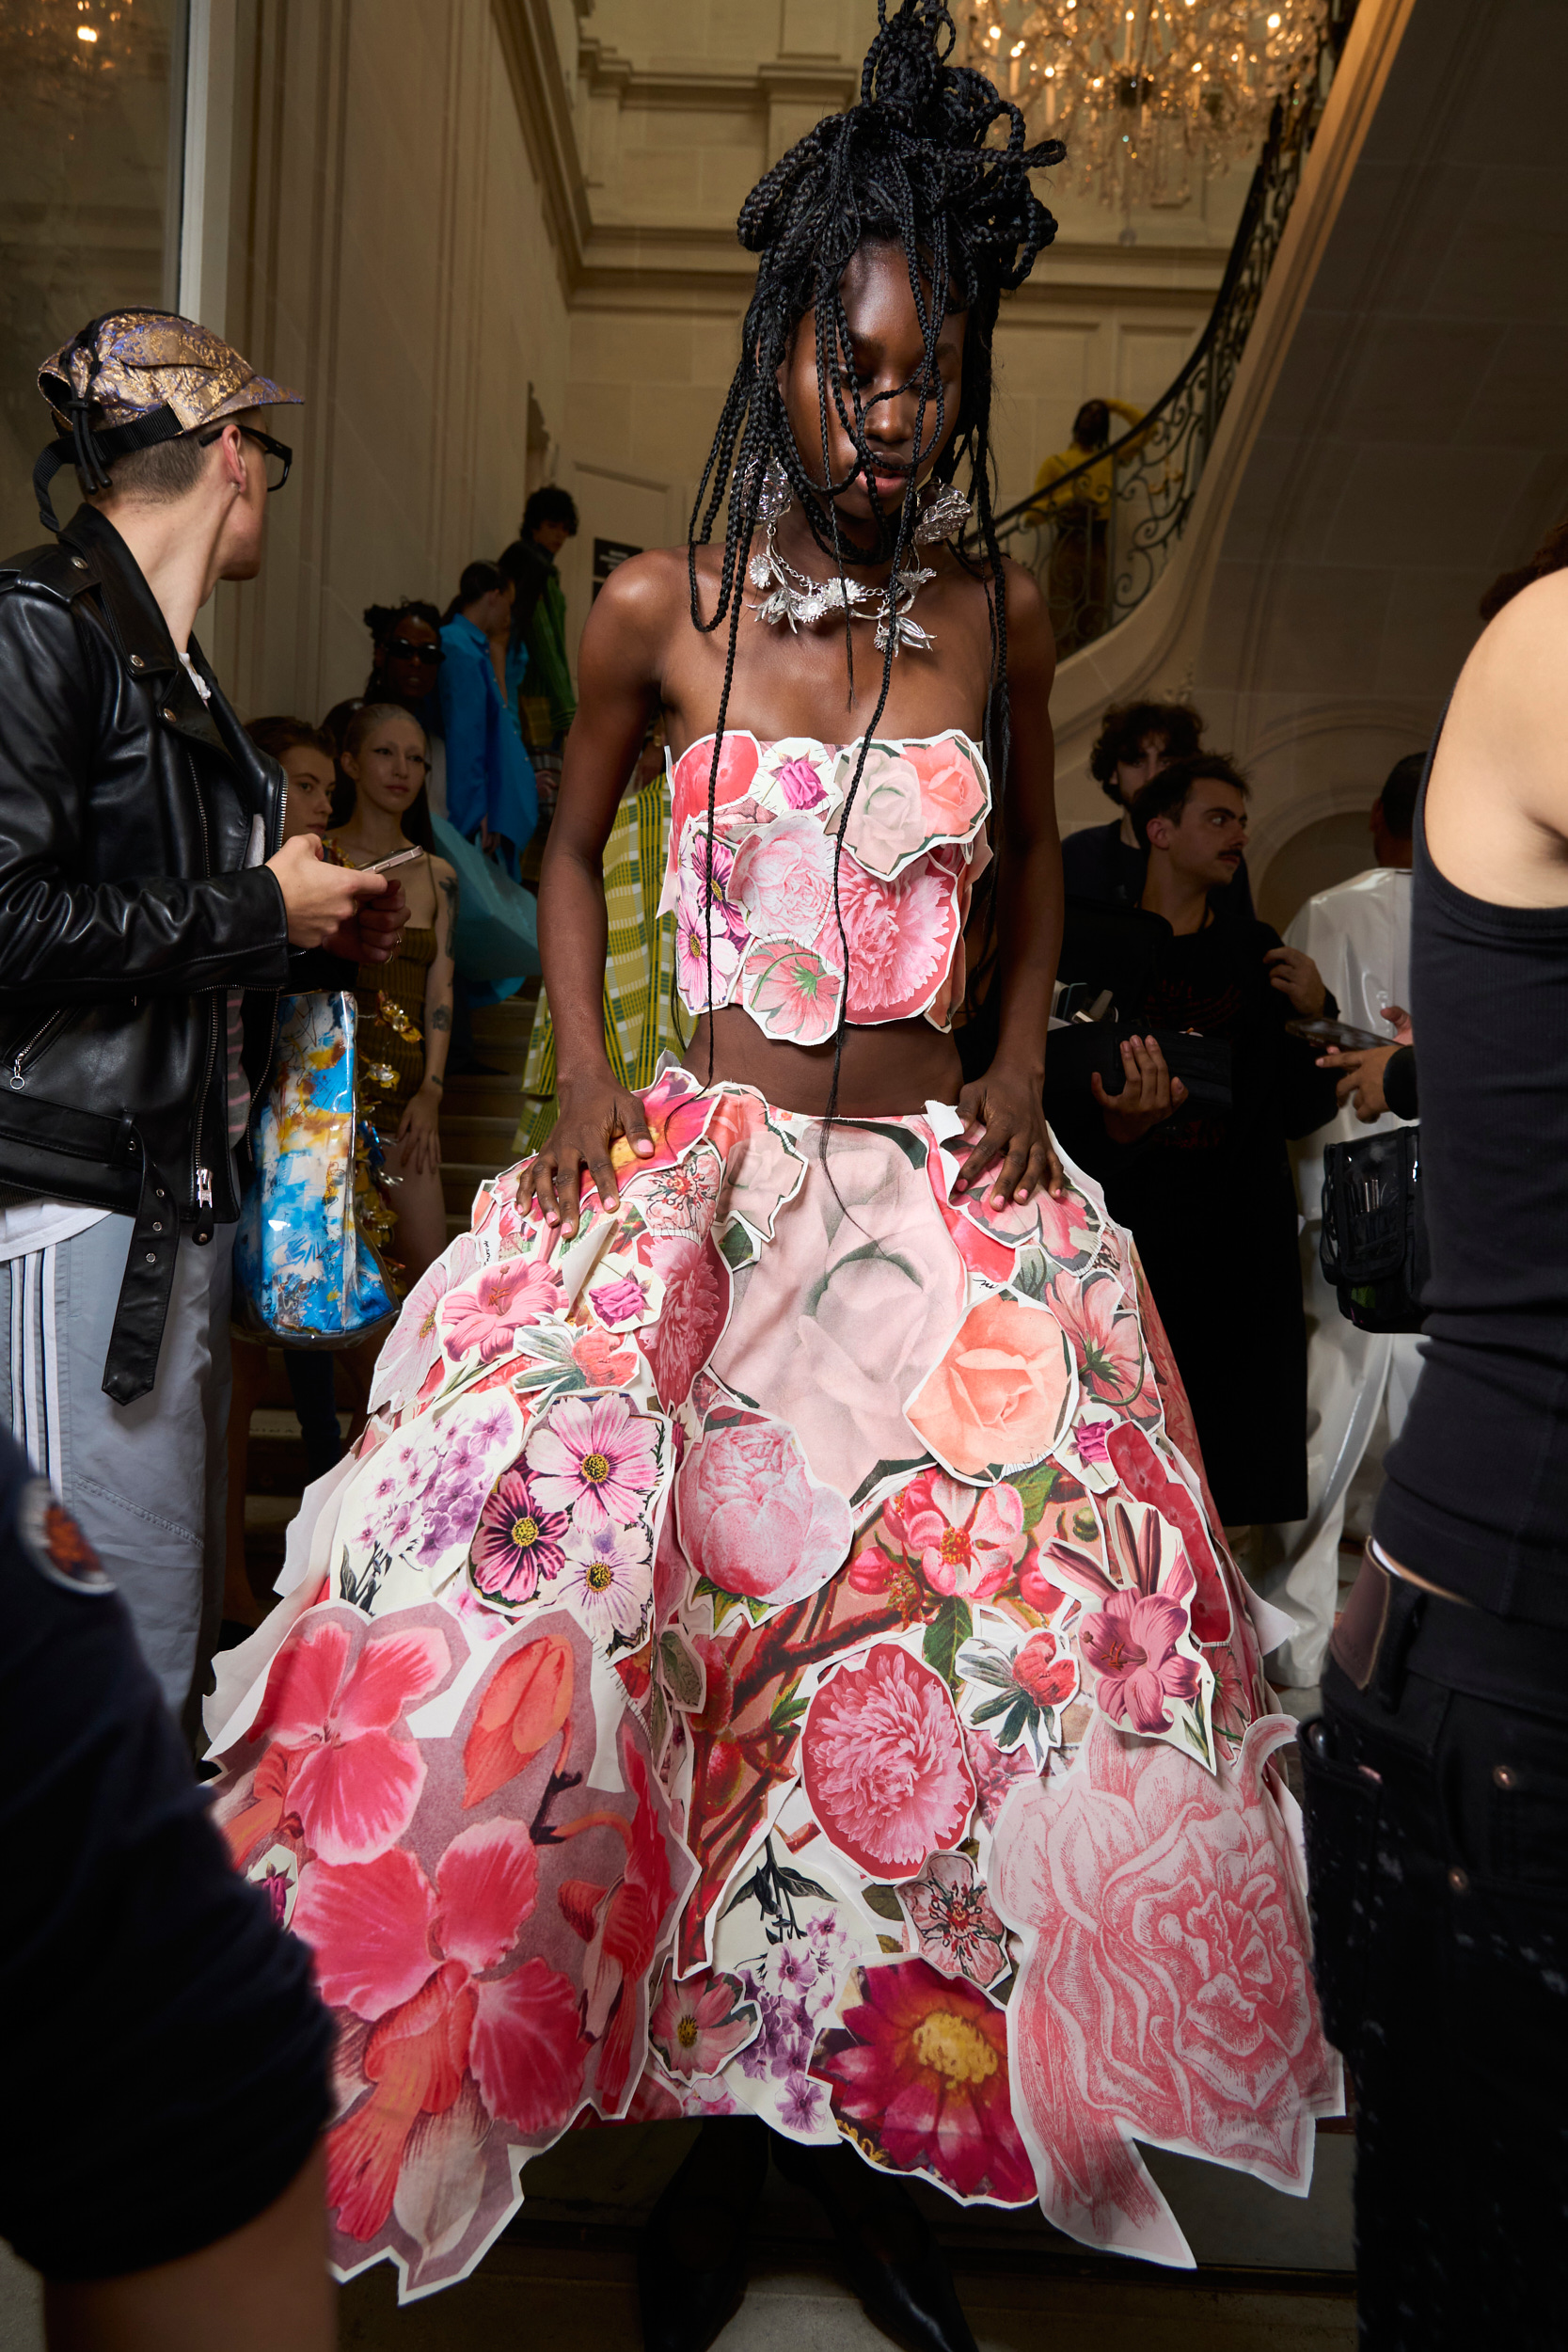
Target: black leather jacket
128	810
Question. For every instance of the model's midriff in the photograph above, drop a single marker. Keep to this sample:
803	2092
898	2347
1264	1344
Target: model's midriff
886	1072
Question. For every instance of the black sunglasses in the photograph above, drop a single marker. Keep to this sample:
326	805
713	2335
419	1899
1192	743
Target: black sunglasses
279	456
398	649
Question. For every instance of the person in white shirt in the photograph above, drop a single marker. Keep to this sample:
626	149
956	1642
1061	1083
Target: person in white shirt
1359	936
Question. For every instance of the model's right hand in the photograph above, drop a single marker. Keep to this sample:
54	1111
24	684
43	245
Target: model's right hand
592	1115
320	898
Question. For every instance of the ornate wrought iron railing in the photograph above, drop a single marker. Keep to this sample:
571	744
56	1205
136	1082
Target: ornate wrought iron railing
1099	534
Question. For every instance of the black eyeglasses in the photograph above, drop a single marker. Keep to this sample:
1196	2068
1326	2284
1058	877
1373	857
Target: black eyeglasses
280	457
398	649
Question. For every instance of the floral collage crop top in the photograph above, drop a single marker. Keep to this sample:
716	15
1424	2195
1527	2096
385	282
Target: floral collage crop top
914	846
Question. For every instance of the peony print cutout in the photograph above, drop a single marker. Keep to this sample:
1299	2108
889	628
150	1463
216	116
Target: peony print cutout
1164	1993
753	1521
882	1759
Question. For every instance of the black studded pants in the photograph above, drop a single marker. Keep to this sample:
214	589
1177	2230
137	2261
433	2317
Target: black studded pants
1437	1843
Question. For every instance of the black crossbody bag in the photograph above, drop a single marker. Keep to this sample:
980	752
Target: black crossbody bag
1373	1245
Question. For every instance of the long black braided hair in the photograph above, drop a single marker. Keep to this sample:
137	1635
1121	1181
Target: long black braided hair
933	160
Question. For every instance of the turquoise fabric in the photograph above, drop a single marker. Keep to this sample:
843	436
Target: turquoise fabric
489	774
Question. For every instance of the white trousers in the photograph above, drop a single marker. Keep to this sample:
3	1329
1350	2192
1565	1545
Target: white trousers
1351	1376
146	1481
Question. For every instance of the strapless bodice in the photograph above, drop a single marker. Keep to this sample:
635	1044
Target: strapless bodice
908	854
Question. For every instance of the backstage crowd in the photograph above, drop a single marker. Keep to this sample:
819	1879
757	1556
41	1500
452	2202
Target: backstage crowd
1192	1050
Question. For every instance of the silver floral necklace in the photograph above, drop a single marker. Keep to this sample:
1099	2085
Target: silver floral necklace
793	597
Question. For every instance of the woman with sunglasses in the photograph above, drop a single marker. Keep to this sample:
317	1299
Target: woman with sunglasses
406	655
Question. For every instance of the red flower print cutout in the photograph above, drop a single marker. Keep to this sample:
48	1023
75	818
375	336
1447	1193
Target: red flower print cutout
882	1757
918	2075
1164	1993
337	1763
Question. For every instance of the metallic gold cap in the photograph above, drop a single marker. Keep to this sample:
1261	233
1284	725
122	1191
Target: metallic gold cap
130	363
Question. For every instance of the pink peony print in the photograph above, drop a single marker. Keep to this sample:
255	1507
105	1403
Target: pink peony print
518	1544
751	1519
965	1540
697	2024
696	1305
949	1909
783	878
335	1694
918	2072
1104	1335
596	1458
1132	1645
901	935
1163	1991
884	1763
480	1320
414	1961
414	1345
792	993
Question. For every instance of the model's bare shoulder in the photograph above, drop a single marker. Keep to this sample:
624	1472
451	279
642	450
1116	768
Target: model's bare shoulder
1496	815
1031	646
632	621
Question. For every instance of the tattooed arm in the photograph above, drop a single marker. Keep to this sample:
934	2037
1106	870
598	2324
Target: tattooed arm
418	1128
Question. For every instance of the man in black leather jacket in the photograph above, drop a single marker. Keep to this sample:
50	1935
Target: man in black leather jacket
143	890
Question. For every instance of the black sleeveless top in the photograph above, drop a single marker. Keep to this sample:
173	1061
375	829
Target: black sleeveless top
1477	1491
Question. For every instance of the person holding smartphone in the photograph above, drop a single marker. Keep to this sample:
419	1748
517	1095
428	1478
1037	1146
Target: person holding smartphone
405	1004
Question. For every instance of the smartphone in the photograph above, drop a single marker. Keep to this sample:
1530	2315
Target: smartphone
1335	1033
384	864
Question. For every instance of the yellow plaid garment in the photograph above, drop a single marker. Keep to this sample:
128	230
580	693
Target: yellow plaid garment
639	1016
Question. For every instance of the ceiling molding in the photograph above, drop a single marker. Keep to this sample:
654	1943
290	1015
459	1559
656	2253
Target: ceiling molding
543	109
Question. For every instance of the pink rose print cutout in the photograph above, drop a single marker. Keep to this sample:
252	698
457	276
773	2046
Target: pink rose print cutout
783	879
751	1519
882	1757
1002	1392
1164	1993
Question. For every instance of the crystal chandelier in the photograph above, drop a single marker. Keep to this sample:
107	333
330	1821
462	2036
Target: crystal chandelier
62	55
1150	96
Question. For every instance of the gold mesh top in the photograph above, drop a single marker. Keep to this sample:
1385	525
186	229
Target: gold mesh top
145	359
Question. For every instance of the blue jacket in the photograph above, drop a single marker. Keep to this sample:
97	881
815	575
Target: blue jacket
489	774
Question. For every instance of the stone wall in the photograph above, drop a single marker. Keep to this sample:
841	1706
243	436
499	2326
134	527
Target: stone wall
390	257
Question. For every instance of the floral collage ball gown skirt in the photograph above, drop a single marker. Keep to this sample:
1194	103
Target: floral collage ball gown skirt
774	1653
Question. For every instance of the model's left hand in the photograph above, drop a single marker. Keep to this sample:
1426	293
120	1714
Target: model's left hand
1298	978
1004	1121
419	1132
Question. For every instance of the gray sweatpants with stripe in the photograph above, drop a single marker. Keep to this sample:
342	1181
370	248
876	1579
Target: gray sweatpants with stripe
146	1481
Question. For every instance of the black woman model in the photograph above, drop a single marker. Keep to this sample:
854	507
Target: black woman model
772	1658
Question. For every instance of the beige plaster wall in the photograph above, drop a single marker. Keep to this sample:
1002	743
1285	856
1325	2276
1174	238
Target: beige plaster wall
389	258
